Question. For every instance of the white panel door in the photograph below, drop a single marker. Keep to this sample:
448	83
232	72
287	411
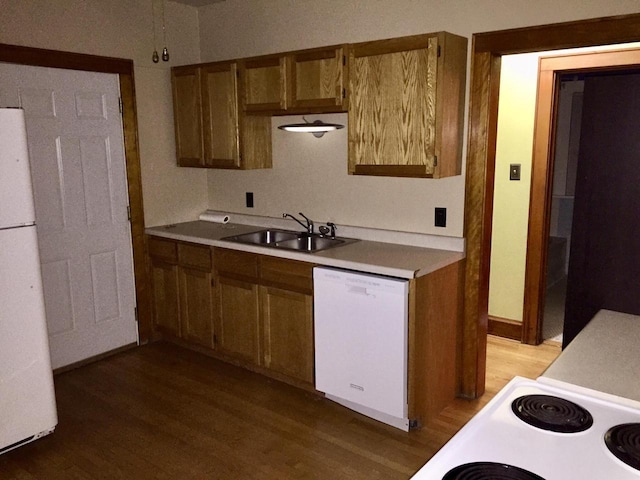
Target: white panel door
76	150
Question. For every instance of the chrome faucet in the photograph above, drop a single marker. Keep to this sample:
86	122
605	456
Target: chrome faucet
308	227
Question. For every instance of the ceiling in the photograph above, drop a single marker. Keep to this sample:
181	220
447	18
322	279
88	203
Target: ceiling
198	3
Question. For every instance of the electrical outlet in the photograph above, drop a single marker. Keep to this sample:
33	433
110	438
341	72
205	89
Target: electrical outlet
249	197
514	171
441	217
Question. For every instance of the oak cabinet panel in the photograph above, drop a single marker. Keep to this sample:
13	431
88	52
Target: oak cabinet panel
318	79
287	319
196	306
263	80
237	329
220	115
187	116
164	278
406	101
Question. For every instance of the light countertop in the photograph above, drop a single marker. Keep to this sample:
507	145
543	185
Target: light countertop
380	258
604	356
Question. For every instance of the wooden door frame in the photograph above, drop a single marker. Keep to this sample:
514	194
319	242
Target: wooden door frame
124	69
550	69
487	51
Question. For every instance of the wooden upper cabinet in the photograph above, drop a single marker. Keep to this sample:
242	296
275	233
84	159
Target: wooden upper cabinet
264	83
318	79
406	108
305	81
211	131
187	115
220	115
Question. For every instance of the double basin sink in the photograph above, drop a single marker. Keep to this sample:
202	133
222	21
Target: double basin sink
288	240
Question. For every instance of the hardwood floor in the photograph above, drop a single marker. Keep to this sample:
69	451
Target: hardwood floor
162	412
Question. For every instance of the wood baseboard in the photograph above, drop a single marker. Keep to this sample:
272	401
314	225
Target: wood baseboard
95	358
503	327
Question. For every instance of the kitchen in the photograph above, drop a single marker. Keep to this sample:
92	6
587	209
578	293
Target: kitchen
159	173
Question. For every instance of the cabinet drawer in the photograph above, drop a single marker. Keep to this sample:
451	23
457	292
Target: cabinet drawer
237	263
198	256
287	273
164	249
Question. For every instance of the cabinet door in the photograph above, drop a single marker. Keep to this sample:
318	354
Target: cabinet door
164	278
237	329
392	114
318	79
288	332
220	115
187	116
263	82
196	306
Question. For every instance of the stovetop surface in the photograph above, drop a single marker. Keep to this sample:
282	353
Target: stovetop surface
495	434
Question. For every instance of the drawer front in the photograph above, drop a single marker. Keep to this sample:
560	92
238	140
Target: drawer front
236	263
197	256
286	273
163	249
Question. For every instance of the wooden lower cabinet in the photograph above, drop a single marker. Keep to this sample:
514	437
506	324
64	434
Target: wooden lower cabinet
196	305
238	323
257	311
164	278
183	299
265	313
287	319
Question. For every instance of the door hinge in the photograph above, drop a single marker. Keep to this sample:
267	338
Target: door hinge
120	105
435	160
344	60
439	50
344	93
129	212
135	313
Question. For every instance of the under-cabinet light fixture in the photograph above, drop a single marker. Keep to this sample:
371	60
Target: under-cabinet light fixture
318	128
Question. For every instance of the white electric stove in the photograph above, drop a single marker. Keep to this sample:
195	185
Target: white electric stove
498	444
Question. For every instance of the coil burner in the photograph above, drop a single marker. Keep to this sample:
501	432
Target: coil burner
551	413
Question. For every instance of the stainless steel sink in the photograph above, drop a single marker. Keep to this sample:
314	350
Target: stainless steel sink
311	243
264	237
287	240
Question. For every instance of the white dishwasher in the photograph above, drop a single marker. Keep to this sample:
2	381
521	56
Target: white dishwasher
361	323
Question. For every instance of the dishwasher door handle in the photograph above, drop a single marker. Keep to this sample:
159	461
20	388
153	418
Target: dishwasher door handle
357	290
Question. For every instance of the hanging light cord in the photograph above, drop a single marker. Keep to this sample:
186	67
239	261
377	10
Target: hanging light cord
165	51
155	56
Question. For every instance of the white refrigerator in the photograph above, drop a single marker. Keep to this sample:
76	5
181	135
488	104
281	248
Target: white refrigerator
27	398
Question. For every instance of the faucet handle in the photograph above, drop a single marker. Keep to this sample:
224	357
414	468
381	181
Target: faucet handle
333	229
309	222
324	230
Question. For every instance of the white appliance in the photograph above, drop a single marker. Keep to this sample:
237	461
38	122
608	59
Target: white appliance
361	323
27	399
580	446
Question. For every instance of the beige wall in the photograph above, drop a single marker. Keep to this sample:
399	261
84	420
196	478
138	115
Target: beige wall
123	28
234	28
518	84
237	28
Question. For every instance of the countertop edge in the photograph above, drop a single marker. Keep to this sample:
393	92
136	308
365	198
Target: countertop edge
316	258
